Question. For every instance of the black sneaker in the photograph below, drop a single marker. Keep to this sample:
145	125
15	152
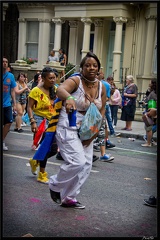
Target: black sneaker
16	129
96	148
59	157
95	158
20	130
76	205
109	144
55	196
152	201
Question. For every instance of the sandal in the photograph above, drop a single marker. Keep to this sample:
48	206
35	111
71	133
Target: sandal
123	128
128	129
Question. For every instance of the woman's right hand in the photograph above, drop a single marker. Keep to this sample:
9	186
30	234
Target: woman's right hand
70	104
34	127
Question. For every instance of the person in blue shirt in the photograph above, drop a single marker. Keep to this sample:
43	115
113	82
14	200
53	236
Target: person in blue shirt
9	89
108	110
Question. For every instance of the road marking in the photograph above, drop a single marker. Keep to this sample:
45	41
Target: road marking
130	150
114	147
27	158
29	134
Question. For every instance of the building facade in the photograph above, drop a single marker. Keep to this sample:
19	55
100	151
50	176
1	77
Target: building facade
122	35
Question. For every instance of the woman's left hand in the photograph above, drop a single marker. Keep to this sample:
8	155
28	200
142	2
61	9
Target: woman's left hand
87	142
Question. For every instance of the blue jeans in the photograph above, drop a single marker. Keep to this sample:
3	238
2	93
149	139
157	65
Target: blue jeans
114	112
109	119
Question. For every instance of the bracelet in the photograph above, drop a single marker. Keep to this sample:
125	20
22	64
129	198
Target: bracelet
70	97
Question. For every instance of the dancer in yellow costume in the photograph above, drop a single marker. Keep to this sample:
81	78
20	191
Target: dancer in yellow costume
43	103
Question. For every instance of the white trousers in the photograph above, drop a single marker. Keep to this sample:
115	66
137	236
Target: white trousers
76	167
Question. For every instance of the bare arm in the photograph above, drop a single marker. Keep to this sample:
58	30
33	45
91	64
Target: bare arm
65	90
130	95
152	112
65	59
31	103
13	95
17	91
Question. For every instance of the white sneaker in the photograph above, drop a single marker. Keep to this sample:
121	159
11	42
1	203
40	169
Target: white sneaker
117	134
5	148
23	124
154	143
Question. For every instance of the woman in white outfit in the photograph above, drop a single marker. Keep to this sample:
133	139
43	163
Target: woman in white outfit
77	92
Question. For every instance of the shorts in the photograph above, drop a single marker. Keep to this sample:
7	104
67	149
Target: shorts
152	128
101	135
128	113
39	119
7	115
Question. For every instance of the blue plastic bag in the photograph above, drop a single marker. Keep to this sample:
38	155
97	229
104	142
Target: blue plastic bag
25	118
91	123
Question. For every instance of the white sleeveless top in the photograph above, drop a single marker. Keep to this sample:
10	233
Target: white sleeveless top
82	104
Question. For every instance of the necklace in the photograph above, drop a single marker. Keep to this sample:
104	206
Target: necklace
89	80
92	86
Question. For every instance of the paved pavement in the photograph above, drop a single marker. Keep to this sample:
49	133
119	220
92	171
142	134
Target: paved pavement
137	132
113	193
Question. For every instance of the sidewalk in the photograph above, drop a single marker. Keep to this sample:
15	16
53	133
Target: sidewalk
137	132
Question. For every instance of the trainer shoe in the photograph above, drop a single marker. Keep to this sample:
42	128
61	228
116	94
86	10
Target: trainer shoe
72	204
115	135
42	177
154	143
95	158
20	130
152	201
34	165
145	138
59	156
5	148
23	124
109	144
106	158
96	148
55	196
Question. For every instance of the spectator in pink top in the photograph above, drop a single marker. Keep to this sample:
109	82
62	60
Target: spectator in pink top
114	102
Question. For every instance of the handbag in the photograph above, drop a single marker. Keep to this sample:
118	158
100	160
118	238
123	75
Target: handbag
147	120
91	123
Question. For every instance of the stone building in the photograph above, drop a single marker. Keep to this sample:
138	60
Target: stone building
123	35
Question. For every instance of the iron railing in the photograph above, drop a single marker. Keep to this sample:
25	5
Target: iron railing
68	72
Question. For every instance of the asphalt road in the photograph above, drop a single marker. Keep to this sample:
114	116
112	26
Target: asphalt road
113	194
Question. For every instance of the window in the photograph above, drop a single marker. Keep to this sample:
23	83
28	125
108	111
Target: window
52	33
32	39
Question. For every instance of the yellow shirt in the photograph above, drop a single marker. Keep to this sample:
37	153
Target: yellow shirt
44	106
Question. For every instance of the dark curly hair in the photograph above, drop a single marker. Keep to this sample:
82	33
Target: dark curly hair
154	85
90	55
45	72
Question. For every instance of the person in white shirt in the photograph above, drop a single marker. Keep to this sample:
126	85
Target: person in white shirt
52	57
